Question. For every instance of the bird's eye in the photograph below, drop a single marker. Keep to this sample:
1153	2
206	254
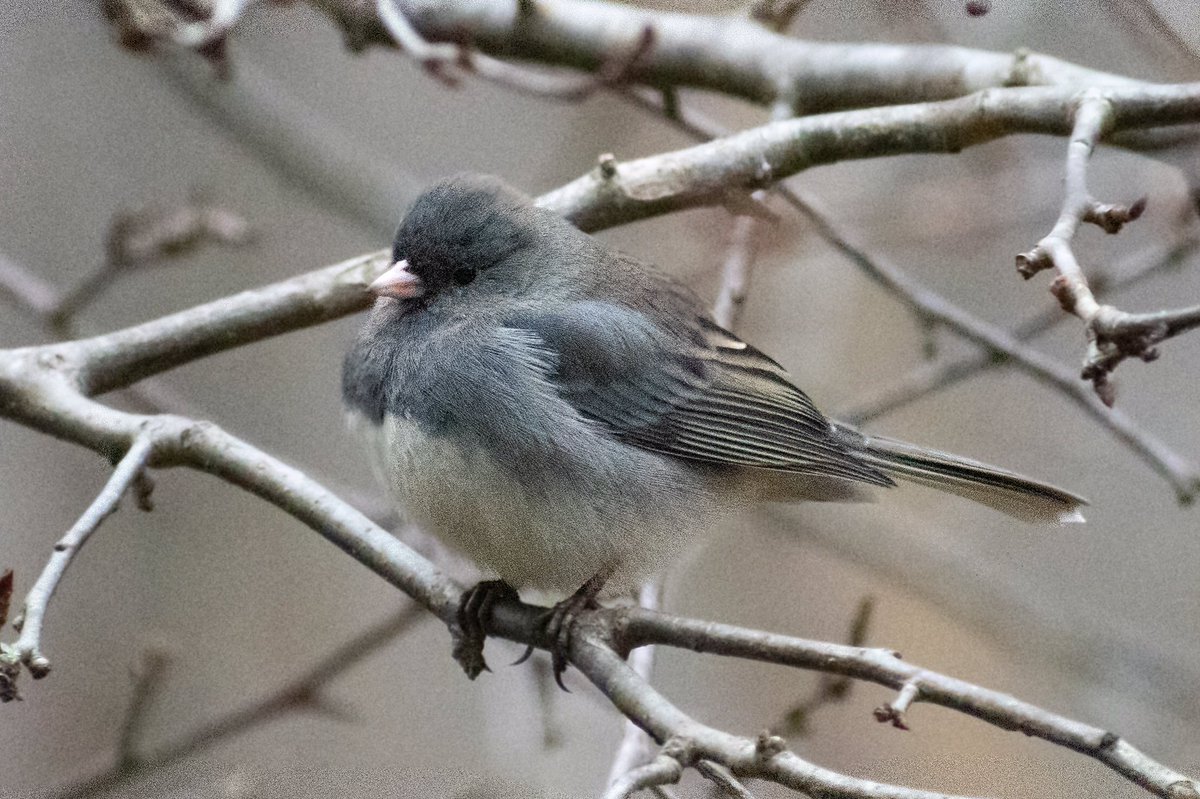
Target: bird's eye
462	276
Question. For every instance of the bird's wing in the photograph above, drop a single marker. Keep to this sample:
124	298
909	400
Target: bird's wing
712	398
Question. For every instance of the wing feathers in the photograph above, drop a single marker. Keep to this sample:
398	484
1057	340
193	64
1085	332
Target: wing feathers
709	397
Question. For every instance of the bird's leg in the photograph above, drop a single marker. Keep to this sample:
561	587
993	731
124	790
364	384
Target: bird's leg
473	610
558	620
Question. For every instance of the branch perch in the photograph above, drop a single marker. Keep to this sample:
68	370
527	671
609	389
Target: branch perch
50	388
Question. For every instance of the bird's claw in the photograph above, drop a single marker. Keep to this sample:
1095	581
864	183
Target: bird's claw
559	620
473	610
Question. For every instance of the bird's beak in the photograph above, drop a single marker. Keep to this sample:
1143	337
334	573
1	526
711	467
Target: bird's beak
397	282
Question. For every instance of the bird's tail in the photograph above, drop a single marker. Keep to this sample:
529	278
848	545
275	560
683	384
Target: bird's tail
1008	492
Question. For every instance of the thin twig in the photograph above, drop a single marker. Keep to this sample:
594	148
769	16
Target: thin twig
1113	335
880	666
28	647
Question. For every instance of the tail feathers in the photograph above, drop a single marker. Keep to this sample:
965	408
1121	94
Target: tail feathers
1008	492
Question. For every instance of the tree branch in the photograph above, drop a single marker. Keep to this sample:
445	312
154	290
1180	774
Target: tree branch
28	648
727	54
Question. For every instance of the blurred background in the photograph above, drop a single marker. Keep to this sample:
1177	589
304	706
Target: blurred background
1097	621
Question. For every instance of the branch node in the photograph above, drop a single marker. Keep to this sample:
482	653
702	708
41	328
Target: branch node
1111	217
1034	261
768	745
894	711
607	166
38	664
1183	789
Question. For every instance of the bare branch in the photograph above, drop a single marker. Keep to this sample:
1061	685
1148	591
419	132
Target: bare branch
28	648
728	54
637	627
739	263
708	173
144	24
894	711
26	290
448	62
651	710
1113	335
439	60
42	387
149	237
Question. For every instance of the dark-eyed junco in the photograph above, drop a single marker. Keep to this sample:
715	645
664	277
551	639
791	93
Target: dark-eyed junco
556	410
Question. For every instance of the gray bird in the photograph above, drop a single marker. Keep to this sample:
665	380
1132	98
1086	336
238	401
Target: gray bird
557	410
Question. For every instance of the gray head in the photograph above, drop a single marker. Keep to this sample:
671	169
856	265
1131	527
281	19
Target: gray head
455	232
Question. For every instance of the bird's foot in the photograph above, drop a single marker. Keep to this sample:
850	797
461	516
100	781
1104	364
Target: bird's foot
557	622
473	610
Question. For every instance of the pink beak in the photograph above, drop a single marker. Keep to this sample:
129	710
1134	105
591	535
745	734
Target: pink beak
397	282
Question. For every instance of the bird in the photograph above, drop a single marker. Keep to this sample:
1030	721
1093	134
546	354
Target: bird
570	417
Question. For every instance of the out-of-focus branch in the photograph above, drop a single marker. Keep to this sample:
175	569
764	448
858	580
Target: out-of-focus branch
306	150
147	680
28	292
136	240
636	747
449	62
744	241
727	54
28	648
200	26
723	783
830	688
301	693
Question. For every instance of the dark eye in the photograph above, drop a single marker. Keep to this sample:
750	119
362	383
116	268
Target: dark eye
462	276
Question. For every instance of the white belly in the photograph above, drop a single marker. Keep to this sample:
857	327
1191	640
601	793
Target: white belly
555	536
